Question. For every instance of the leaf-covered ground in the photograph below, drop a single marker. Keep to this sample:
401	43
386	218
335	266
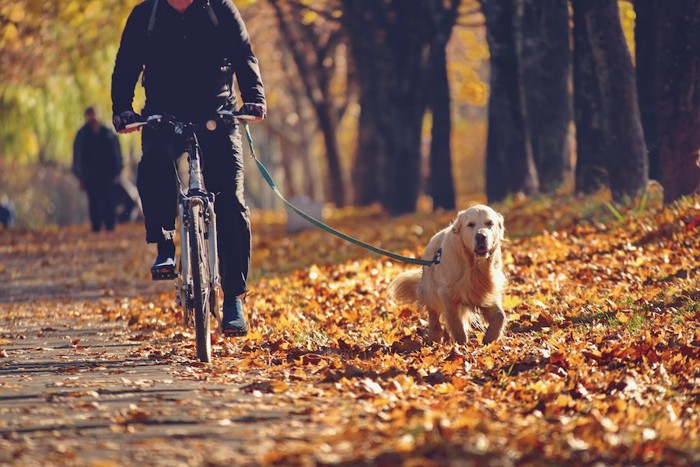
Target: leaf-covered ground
600	360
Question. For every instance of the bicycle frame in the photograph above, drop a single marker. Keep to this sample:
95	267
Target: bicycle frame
196	201
196	194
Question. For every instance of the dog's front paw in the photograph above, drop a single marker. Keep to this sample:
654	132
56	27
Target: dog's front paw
490	339
496	318
437	335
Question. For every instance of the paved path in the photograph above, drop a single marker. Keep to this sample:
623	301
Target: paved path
80	394
81	388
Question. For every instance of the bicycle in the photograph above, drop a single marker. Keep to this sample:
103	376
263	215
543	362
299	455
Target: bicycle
197	282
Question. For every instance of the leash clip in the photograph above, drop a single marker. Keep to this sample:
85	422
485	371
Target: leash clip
438	256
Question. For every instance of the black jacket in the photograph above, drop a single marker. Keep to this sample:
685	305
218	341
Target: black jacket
188	61
97	156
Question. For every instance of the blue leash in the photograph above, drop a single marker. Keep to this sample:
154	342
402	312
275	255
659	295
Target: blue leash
268	178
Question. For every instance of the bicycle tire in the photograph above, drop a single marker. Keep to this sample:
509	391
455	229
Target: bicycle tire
199	265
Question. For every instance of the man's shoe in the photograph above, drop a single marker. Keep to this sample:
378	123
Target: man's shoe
233	322
164	268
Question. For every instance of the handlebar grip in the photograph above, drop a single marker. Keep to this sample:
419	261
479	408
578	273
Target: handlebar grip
147	121
246	118
131	126
234	115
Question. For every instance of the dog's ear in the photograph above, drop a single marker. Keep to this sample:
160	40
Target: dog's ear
501	227
456	227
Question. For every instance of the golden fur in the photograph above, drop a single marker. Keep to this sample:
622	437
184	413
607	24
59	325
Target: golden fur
468	282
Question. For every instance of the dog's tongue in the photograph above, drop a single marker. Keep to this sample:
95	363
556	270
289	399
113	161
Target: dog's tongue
481	250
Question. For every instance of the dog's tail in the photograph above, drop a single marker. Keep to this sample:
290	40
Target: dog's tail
404	289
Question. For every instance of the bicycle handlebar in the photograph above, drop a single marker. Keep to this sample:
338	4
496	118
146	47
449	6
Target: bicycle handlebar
224	115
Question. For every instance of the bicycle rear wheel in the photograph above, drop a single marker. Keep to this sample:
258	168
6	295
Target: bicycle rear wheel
199	265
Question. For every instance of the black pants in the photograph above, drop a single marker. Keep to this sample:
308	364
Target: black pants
101	206
222	166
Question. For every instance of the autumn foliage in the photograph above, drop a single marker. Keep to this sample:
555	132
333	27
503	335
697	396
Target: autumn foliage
600	360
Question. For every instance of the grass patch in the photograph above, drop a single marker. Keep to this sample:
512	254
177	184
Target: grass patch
613	210
689	308
626	302
607	318
311	339
636	323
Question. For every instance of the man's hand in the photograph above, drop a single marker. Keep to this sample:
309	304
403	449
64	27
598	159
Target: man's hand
121	120
256	111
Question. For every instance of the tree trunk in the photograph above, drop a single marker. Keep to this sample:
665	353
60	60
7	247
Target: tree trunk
328	126
313	180
365	170
645	44
411	47
545	58
627	161
440	182
364	27
678	91
390	43
510	166
591	152
286	161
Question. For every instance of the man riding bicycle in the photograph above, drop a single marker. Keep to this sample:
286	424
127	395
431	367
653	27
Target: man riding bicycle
188	51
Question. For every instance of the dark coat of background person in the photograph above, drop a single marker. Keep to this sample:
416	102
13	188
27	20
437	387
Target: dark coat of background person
7	212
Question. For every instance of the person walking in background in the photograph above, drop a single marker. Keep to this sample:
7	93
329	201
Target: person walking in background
7	212
97	162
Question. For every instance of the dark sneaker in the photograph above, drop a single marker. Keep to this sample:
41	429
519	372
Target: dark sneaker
233	322
164	268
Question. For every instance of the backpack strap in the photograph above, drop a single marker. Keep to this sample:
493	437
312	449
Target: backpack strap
212	14
152	20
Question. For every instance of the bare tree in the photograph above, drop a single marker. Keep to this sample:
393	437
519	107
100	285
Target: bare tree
390	44
440	181
591	157
313	48
542	38
678	93
645	45
626	149
510	166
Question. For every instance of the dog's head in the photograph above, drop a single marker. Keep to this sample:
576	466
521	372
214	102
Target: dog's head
480	229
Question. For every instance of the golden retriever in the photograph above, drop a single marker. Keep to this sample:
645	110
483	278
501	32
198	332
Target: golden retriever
469	281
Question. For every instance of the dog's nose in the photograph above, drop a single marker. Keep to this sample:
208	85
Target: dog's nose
480	238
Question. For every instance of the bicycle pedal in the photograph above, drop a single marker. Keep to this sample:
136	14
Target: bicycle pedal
234	332
163	274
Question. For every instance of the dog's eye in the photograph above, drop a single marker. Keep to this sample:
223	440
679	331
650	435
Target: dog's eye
471	225
489	224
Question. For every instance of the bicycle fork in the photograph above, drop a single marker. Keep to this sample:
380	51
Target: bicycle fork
212	239
184	281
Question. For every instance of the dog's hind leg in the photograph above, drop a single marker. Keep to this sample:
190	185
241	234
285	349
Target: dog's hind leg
497	319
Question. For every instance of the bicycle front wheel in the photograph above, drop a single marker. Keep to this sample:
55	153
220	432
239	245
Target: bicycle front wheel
199	265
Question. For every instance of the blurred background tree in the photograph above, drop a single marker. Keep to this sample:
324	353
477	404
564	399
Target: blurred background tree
677	84
391	101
